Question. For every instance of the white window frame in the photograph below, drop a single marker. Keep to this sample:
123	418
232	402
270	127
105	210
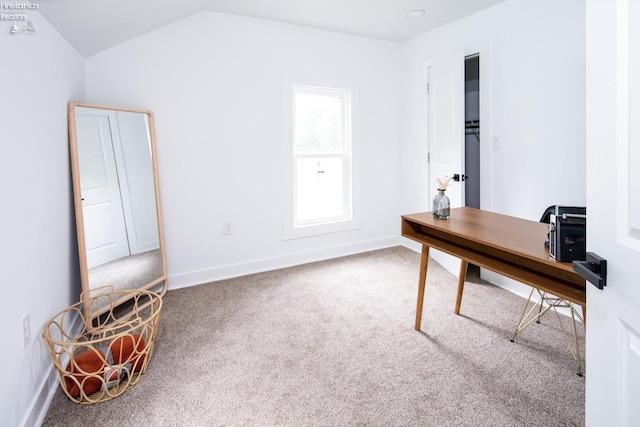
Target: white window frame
294	229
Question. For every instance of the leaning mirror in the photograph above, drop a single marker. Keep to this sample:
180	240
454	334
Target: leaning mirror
116	197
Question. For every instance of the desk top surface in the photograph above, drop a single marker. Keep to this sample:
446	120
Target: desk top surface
516	235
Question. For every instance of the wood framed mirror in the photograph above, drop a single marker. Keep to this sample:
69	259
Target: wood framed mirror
117	201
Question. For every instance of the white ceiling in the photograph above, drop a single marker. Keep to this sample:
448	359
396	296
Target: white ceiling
95	25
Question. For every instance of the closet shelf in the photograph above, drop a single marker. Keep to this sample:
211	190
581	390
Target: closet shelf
472	127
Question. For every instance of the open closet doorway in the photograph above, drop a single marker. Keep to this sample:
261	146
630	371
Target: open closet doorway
472	131
457	92
472	138
454	126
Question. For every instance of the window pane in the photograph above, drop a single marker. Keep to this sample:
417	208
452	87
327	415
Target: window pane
319	123
320	187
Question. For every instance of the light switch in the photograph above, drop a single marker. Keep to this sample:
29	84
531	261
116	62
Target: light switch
496	143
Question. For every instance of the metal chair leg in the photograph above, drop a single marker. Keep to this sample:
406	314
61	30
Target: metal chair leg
552	302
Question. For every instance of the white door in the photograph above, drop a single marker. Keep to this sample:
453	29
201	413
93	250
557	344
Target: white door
446	125
613	212
105	231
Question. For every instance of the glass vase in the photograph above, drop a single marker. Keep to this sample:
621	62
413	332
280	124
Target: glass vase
441	205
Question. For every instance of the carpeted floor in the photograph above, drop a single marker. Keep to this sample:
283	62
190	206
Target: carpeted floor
332	343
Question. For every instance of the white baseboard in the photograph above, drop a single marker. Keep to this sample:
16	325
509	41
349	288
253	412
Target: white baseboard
41	401
413	245
47	388
193	278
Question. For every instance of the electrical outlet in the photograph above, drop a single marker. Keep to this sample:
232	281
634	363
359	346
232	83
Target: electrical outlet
227	227
26	330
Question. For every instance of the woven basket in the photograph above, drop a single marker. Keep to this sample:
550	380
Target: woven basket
111	352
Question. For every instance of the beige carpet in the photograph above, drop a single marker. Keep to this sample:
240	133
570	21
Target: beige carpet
332	344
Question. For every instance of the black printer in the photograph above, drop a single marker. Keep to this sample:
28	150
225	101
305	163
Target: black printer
567	232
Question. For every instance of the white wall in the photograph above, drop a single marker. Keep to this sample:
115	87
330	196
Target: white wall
40	73
532	65
532	78
214	83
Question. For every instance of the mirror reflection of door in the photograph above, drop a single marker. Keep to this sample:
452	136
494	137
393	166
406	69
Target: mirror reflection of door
137	185
105	232
117	184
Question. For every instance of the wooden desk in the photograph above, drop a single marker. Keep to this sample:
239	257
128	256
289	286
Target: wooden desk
509	246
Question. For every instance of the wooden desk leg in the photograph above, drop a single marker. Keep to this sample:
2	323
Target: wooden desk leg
461	278
424	262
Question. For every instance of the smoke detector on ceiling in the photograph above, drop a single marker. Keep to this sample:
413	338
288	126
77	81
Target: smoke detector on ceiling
416	13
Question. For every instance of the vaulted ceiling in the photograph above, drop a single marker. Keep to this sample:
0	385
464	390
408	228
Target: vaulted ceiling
95	25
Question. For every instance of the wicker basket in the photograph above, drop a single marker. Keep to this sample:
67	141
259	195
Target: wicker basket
111	352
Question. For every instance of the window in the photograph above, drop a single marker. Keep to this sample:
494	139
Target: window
320	161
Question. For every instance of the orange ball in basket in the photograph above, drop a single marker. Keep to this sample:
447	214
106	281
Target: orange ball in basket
88	368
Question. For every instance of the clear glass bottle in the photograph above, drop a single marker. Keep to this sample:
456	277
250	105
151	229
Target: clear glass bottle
441	205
